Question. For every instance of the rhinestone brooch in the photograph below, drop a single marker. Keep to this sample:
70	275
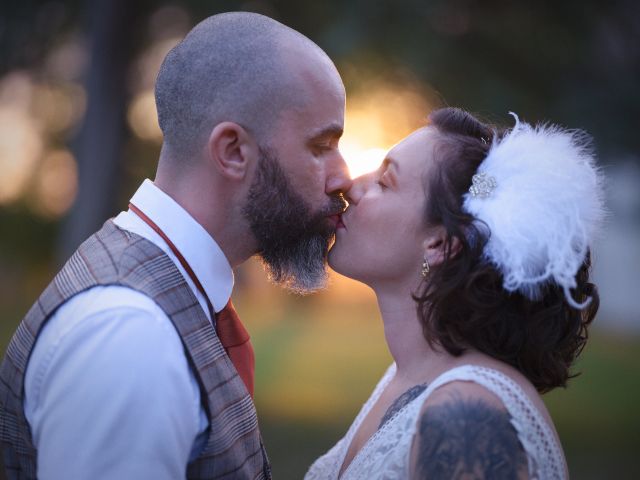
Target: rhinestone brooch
482	185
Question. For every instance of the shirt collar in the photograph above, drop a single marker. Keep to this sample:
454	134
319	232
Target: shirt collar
199	249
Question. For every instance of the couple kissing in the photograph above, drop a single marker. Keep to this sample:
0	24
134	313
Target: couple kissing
133	363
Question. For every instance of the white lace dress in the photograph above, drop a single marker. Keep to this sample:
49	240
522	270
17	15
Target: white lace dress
386	455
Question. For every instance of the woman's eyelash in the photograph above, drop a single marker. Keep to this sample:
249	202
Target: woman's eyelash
380	180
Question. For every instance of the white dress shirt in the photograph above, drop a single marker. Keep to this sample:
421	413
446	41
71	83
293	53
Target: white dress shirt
109	393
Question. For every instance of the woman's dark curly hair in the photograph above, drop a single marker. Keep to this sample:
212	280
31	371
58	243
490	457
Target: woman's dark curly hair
462	304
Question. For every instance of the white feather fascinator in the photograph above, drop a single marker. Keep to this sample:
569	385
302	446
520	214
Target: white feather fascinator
541	194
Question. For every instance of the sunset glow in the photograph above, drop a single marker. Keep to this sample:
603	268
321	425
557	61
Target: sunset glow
361	160
379	114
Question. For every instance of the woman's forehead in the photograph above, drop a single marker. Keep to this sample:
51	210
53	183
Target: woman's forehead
415	149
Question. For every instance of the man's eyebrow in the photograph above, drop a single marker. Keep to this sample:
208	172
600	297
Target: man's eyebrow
332	131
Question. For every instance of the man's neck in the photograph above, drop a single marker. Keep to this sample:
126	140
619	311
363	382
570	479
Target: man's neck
216	211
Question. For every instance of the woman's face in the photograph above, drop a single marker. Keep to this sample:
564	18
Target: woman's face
383	232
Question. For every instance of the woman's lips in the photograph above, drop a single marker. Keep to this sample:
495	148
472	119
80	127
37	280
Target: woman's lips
337	221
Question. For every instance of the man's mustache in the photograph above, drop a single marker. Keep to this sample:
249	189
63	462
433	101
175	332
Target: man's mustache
337	205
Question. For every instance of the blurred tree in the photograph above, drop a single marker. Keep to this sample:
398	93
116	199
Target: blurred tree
576	62
99	146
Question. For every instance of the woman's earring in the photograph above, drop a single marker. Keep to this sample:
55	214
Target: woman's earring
425	267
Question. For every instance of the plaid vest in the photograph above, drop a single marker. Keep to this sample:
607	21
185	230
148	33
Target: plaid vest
113	256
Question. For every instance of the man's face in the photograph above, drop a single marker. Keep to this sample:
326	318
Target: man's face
293	238
295	199
306	138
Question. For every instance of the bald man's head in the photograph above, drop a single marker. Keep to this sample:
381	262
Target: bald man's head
238	67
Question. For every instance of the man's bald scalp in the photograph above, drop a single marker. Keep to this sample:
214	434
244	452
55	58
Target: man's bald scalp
230	67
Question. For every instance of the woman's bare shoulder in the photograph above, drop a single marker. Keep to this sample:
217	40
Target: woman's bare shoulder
464	429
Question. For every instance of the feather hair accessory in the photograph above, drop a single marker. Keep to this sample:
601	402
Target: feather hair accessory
541	194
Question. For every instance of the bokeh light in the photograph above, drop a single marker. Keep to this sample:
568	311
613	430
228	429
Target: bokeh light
58	107
142	117
20	140
55	184
378	115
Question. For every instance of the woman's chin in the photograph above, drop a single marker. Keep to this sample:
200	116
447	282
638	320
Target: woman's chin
331	259
342	263
335	261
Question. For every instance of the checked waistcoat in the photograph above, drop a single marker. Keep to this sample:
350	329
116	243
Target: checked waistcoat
113	256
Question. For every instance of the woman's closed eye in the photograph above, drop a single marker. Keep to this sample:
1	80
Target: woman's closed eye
383	181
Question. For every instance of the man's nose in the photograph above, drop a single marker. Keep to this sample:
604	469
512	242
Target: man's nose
338	178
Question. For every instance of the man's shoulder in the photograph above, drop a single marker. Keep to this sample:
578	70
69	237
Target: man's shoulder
118	246
104	325
111	350
465	429
99	307
108	298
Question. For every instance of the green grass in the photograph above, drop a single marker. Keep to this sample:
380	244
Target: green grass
319	357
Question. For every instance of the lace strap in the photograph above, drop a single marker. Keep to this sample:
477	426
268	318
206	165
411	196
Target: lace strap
345	442
377	391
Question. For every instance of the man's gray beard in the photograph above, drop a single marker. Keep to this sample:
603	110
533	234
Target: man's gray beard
293	241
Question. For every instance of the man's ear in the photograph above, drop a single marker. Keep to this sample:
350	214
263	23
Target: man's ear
231	150
434	246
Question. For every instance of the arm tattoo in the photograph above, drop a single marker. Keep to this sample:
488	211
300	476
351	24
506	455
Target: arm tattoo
468	439
401	402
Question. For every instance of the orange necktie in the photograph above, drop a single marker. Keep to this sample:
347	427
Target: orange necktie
235	340
232	334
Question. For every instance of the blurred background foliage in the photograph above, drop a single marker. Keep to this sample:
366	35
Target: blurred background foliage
78	133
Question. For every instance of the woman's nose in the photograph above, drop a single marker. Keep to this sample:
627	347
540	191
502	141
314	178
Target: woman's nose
358	188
